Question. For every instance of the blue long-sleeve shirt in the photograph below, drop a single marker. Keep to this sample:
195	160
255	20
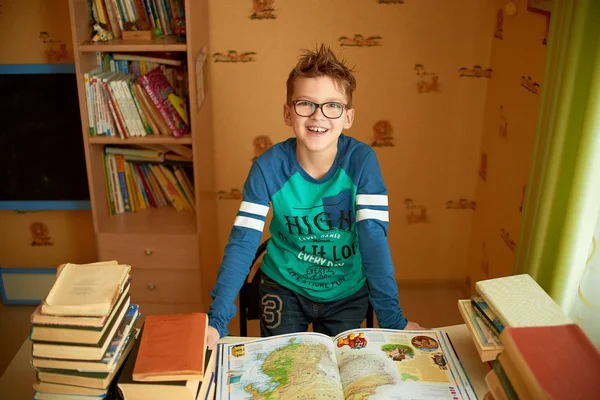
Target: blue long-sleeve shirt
328	236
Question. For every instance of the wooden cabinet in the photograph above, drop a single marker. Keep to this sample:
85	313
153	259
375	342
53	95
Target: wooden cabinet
170	251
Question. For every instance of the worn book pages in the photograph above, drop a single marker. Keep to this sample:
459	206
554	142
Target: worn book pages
518	300
86	290
172	348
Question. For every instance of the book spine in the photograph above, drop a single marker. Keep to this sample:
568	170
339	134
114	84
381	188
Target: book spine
114	176
123	182
108	183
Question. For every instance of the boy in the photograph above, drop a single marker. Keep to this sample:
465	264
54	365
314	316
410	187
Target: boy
328	253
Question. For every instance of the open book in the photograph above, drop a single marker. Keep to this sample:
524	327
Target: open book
356	364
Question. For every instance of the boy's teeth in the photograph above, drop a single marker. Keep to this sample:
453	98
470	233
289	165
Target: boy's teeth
313	129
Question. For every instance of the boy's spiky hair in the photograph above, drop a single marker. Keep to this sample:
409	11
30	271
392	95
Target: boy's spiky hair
322	62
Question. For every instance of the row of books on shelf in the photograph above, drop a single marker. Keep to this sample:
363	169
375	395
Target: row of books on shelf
534	349
138	179
123	104
86	343
119	15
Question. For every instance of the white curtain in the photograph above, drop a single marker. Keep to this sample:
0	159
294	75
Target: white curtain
586	308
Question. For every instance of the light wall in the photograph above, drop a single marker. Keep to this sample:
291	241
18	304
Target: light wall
35	32
431	154
507	140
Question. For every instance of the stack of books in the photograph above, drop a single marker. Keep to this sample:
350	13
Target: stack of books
545	362
514	301
83	331
534	349
169	361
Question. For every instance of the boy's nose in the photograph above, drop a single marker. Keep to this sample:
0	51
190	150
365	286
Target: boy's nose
318	114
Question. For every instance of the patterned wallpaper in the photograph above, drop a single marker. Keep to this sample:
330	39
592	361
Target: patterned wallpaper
423	68
510	117
41	27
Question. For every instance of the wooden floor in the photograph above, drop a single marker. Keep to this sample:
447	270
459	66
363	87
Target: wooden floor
429	304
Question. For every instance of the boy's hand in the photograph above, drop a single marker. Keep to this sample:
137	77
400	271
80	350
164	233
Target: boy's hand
413	326
212	337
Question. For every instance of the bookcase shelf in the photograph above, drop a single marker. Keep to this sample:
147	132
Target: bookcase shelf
181	240
158	44
164	220
150	139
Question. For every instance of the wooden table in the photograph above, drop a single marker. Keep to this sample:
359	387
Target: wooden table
17	381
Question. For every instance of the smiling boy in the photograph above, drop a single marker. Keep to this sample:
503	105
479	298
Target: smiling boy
328	255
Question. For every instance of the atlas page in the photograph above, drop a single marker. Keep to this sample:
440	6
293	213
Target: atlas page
380	364
293	366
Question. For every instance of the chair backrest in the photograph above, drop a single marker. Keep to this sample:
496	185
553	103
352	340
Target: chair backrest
250	298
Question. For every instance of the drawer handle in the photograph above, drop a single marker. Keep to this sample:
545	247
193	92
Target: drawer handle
148	252
151	286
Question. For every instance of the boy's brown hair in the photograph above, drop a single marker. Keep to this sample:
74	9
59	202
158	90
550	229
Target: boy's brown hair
322	62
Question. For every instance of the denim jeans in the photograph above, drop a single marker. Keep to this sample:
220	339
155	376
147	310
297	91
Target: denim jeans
284	311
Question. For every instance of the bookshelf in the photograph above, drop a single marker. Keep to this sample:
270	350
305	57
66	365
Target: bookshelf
170	251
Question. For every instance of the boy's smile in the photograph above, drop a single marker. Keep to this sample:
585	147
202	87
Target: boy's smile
317	133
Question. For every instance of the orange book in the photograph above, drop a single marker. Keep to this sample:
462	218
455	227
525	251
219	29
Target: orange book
172	348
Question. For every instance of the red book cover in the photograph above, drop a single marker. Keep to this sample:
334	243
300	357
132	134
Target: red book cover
556	362
158	88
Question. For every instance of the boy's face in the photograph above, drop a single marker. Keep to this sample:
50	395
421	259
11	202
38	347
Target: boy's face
317	133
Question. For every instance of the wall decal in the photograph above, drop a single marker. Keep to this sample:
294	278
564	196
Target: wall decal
428	81
359	40
390	1
499	25
461	204
233	56
56	50
503	126
531	85
475	72
233	194
416	213
383	134
485	261
40	234
483	165
263	9
261	144
507	240
522	198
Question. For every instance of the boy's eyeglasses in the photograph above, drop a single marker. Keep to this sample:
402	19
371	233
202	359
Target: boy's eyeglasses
331	110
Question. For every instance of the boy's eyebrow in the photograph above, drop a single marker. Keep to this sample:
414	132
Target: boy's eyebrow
327	100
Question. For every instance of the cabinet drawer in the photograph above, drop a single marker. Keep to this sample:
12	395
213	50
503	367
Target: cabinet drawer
165	287
150	251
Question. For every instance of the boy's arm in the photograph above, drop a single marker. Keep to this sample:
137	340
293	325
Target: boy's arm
371	226
244	239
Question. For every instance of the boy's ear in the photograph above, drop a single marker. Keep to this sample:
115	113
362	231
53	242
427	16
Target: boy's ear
349	118
287	115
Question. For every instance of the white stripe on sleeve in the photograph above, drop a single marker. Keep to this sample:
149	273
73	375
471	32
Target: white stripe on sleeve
248	222
253	208
367	213
371	200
